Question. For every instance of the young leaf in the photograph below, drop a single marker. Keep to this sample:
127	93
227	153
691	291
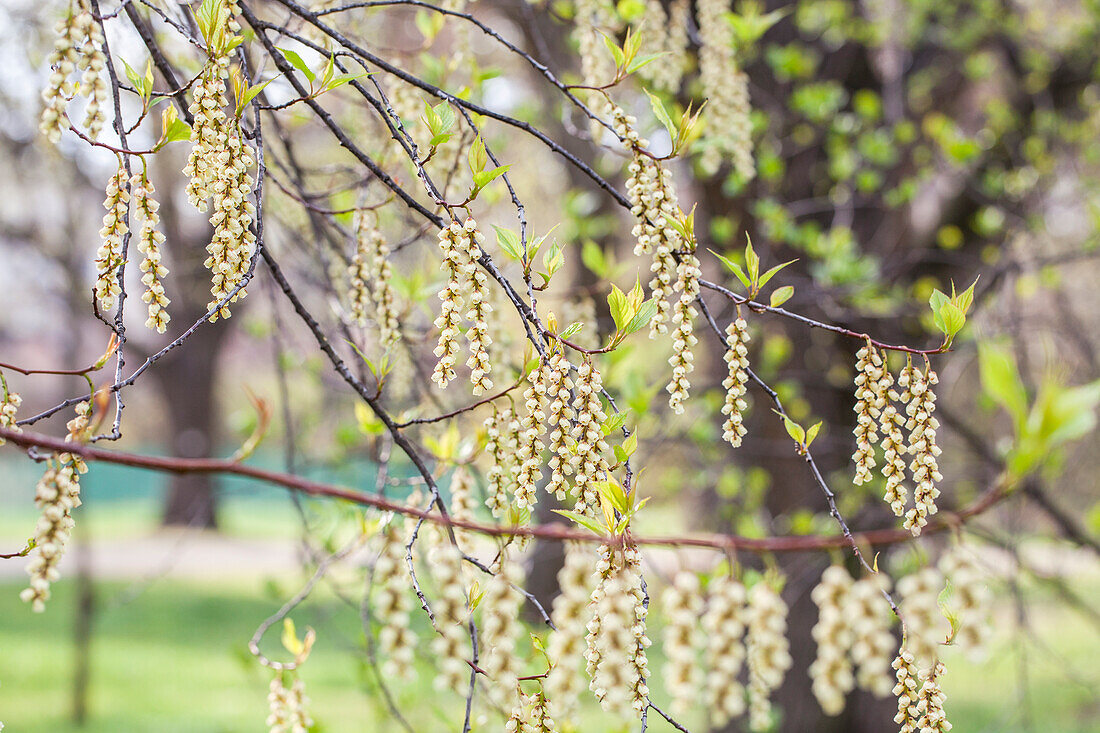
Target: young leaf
781	296
582	520
771	273
812	433
661	113
617	304
484	178
297	62
735	269
509	242
752	262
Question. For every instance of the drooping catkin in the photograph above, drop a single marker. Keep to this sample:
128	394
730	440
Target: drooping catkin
922	425
666	34
559	414
907	691
461	247
451	646
728	132
108	261
768	651
288	705
567	640
477	335
208	130
592	18
146	209
873	644
617	641
682	360
463	504
831	671
724	625
371	264
501	607
736	382
932	718
56	495
78	46
394	604
653	203
894	448
501	445
532	428
589	463
870	400
970	601
925	626
683	603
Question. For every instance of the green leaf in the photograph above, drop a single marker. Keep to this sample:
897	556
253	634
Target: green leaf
297	62
812	433
616	52
735	269
796	431
583	521
1001	381
250	93
771	273
630	445
642	318
617	303
614	493
343	79
752	262
509	242
593	257
477	157
573	329
290	639
642	61
936	302
484	178
953	319
781	296
553	259
661	113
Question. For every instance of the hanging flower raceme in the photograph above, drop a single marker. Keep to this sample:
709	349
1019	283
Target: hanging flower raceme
288	706
925	626
932	718
870	400
370	264
726	88
724	626
683	603
665	34
617	641
461	247
394	604
108	261
559	413
736	383
501	445
56	495
451	646
501	606
532	428
831	671
9	406
907	692
589	463
971	599
894	447
873	645
683	338
768	651
149	241
78	46
567	640
920	404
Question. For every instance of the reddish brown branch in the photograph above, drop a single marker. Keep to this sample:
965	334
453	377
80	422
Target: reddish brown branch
789	543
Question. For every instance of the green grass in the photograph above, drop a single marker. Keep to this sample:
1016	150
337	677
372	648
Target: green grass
172	659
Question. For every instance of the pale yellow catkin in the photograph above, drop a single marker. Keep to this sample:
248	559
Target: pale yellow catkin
394	604
560	414
288	706
736	381
108	261
925	626
831	671
870	400
683	603
502	432
768	651
589	463
500	608
451	646
724	626
922	424
150	240
567	640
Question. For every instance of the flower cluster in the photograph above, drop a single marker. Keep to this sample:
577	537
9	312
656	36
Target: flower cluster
831	671
531	714
735	384
683	339
288	706
617	640
8	407
873	644
924	624
894	447
559	414
370	263
218	169
501	445
920	404
451	645
588	461
768	651
79	45
462	504
532	428
56	495
683	603
149	242
394	605
108	262
592	17
971	600
932	719
502	603
726	89
567	640
907	692
724	625
870	399
665	34
461	247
